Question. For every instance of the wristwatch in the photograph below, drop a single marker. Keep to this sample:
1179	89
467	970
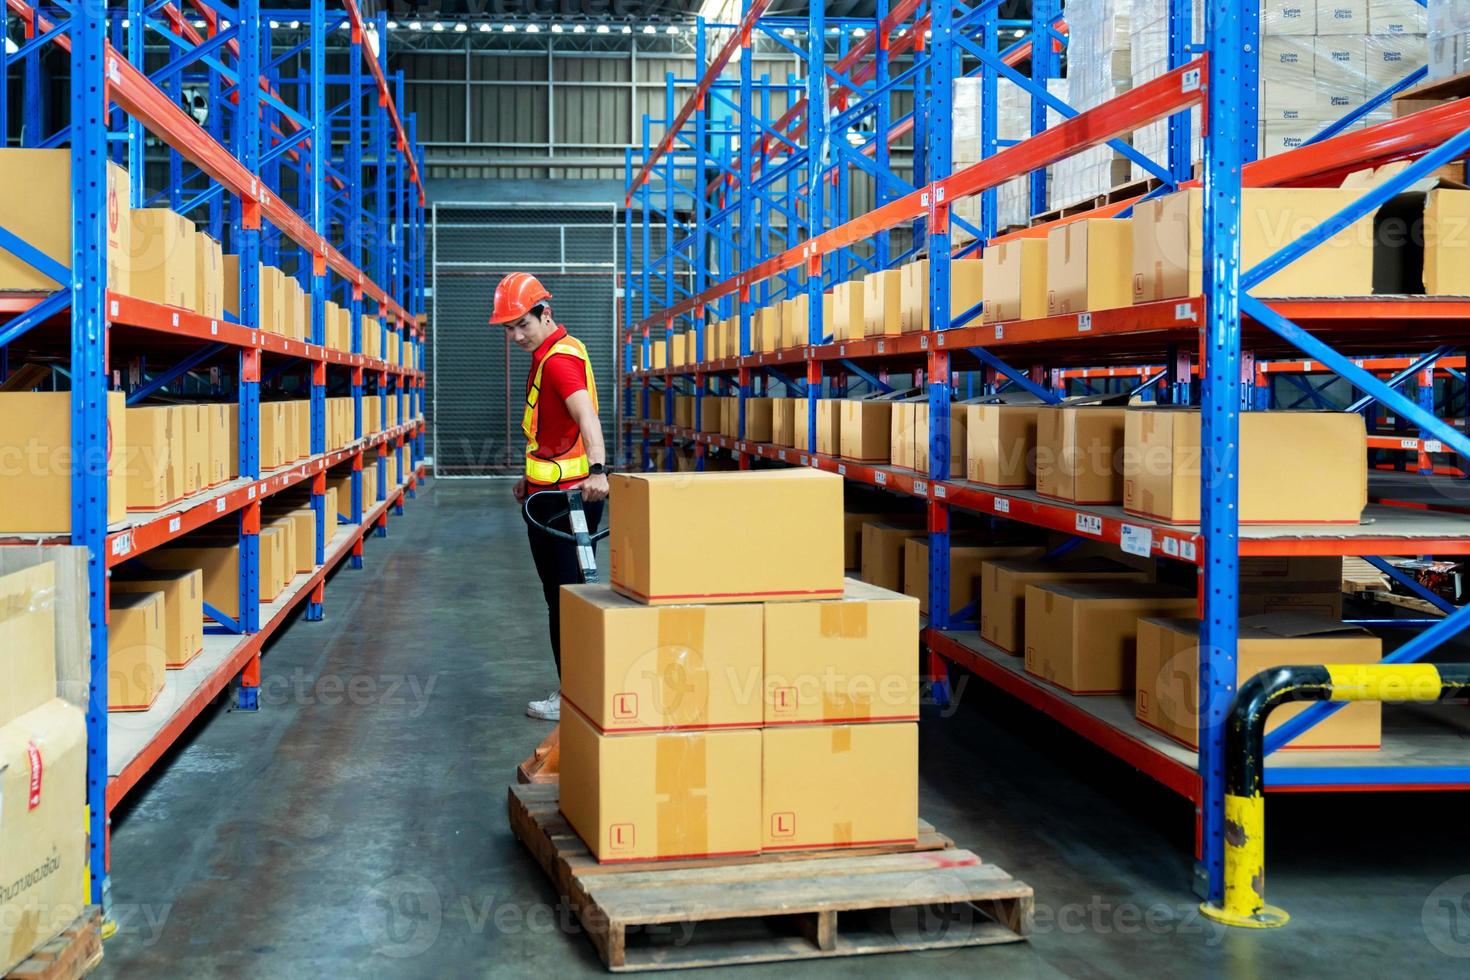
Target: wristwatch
599	469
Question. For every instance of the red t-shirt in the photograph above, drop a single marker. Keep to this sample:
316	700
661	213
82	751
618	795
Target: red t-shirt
562	376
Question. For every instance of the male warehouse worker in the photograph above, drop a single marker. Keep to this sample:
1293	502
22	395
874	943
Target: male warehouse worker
563	442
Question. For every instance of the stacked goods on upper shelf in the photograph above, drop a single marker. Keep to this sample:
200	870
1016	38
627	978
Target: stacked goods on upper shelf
1098	58
1013	124
43	818
1149	58
740	716
175	451
41	216
1449	34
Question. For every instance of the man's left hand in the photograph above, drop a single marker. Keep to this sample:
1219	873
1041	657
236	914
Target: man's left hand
594	488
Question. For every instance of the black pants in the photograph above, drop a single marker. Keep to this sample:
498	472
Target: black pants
556	560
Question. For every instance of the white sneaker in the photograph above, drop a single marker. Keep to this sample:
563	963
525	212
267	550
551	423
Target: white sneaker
548	710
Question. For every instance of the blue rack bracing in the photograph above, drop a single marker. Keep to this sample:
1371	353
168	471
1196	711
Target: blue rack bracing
729	192
262	174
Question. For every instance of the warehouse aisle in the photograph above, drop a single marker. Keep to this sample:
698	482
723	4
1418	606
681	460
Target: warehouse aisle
355	826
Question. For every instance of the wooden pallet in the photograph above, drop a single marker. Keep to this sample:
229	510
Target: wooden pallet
75	953
672	915
544	764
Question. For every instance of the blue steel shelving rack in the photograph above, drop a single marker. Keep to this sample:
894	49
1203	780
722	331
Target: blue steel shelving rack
277	129
1220	76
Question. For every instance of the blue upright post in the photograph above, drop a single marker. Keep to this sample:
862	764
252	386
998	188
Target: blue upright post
816	131
90	424
989	111
320	144
353	230
880	138
31	133
136	40
1181	36
1230	122
942	64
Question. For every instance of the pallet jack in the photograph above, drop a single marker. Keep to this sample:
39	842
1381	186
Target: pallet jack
544	764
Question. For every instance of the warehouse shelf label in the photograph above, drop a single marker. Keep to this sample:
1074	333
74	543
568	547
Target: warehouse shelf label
1135	540
122	544
880	478
921	489
939	491
174	524
1089	524
1002	505
1084	322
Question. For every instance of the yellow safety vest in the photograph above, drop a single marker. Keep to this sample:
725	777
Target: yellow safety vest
572	464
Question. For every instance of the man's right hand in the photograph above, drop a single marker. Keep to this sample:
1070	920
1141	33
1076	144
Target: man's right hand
519	490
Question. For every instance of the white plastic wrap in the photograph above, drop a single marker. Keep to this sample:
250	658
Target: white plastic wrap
1288	18
1449	37
1342	17
1397	17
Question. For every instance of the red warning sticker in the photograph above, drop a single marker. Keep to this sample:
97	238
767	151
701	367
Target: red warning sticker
35	756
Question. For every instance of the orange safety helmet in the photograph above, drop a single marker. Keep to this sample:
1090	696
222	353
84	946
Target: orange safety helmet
516	295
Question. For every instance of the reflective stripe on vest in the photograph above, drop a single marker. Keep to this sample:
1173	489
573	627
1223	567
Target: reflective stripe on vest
572	464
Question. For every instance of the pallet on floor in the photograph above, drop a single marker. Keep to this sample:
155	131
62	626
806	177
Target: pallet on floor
543	765
75	953
658	915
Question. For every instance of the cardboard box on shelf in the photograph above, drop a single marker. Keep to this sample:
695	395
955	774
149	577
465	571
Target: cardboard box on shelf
1003	592
43	799
1001	444
662	535
193	423
864	429
154	474
1089	266
1288	17
217	559
161	259
629	667
769	330
1294	467
221	443
853	659
1078	452
661	795
957	440
758	419
36	498
783	420
965	563
1015	280
1342	17
183	609
966	278
881	303
27	640
829	427
882	556
229	426
209	276
38	211
1447	242
852	537
136	661
902	431
848	319
1168	243
839	785
1166	696
1306	586
1082	636
305	520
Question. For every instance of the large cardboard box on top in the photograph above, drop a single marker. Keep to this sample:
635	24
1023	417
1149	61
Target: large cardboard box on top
37	209
778	535
1166	696
965	563
1294	467
183	609
136	637
1089	266
1079	453
839	785
35	437
1168	243
1001	445
1003	592
43	845
27	640
1081	636
854	659
628	667
661	795
1015	280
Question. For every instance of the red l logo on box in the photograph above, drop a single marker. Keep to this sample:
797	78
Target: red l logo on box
785	699
620	836
783	824
625	705
35	756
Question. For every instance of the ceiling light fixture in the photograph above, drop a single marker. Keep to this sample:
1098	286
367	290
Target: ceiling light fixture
416	25
438	26
533	28
556	28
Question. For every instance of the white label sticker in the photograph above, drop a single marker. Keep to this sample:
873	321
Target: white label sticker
1186	550
939	491
880	478
740	446
122	544
176	319
880	346
251	494
219	506
1136	540
1171	546
1408	443
1089	524
841	350
1433	446
803	461
1184	311
841	470
1002	505
781	454
1000	332
174	524
924	199
114	308
923	341
214	328
1084	322
1191	80
921	488
113	74
940	339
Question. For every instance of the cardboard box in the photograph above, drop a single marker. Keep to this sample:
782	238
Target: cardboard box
902	431
957	440
711	413
1288	17
965	563
277	559
768	334
628	667
1166	696
183	609
839	786
161	259
193	423
758	419
27	640
209	276
1003	592
966	277
882	557
829	427
1079	453
1294	467
37	210
305	520
661	796
1015	280
217	559
43	805
35	485
1089	266
848	319
667	525
1447	242
864	429
852	537
222	441
230	426
152	459
1001	445
783	420
1342	16
853	659
136	640
881	303
1168	243
794	319
1081	637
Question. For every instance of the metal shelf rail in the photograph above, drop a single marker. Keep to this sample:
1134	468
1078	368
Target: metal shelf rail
1215	350
262	174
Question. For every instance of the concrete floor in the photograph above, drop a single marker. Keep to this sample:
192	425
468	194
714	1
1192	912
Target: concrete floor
356	825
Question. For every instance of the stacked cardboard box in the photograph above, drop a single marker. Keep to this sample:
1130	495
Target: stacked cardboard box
40	735
35	497
41	215
752	720
1004	622
1098	56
